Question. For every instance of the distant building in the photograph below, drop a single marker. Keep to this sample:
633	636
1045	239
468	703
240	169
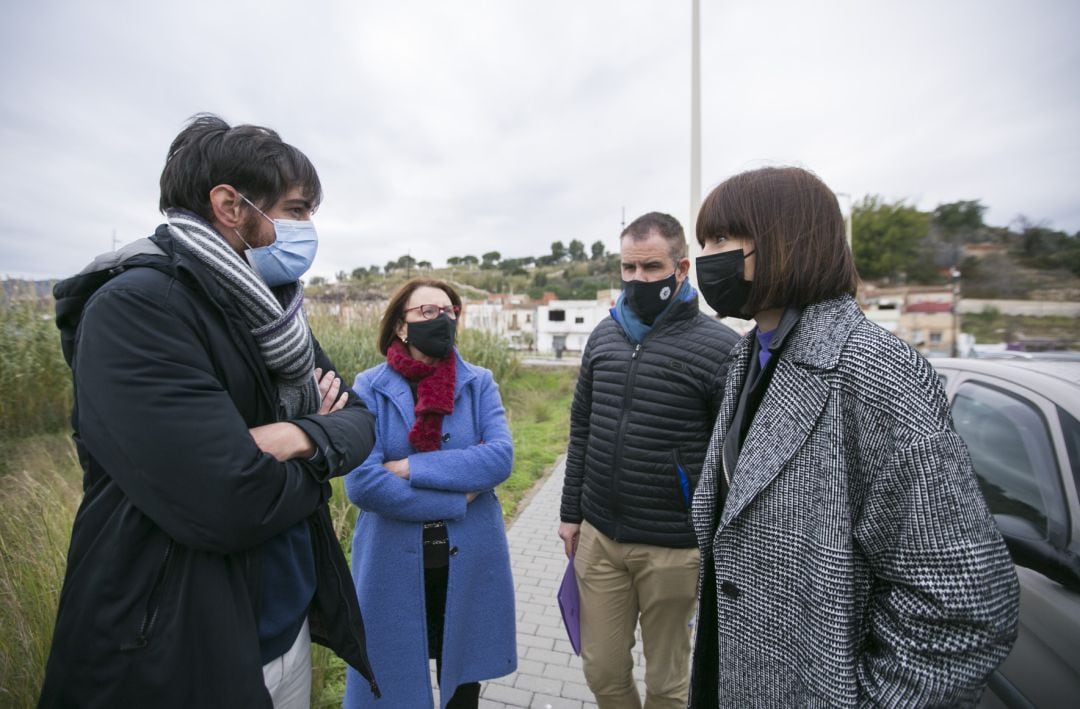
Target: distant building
511	317
922	317
565	325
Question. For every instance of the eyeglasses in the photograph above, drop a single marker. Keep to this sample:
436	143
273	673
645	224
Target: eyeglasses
430	311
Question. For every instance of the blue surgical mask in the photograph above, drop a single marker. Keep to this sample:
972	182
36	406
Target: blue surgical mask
291	254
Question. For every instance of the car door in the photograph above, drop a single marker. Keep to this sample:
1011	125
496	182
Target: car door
1021	457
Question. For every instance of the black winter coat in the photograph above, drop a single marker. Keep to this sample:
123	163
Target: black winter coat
641	412
158	607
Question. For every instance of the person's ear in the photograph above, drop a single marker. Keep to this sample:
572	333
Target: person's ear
683	268
402	331
227	206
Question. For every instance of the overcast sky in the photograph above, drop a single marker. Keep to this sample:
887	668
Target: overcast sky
445	128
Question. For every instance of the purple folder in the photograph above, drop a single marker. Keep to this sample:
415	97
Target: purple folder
570	605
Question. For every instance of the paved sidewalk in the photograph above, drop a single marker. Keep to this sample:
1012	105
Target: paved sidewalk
549	674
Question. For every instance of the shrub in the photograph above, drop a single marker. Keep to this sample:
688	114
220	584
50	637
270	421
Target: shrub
35	382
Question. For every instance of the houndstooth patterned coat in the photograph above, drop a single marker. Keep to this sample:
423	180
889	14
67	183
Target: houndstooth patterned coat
855	561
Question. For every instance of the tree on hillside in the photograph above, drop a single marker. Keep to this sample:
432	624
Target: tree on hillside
453	261
317	281
577	250
490	259
469	261
1039	246
959	217
390	267
426	265
886	238
558	251
373	270
958	223
597	250
359	273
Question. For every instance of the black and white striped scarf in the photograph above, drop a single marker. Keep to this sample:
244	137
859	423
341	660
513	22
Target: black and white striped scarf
276	321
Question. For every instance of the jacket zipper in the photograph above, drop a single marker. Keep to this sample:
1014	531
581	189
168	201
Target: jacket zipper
152	607
617	464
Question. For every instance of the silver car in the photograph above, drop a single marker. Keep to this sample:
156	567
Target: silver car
1021	422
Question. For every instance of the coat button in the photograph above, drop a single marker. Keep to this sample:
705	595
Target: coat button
729	589
445	437
453	551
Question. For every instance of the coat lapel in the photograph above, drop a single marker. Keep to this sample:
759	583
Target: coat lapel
704	505
393	387
788	412
793	403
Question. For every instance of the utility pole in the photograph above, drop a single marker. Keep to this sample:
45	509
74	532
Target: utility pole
695	116
954	272
115	241
695	145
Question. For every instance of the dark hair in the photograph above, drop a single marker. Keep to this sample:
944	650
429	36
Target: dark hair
395	309
794	220
665	225
253	159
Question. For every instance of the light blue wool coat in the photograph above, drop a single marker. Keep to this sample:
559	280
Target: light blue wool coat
387	554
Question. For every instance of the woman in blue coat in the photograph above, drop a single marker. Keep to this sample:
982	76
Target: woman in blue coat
429	555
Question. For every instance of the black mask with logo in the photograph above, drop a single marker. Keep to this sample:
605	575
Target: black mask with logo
721	282
649	298
435	338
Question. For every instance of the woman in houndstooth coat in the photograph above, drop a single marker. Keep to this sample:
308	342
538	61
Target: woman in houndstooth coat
848	557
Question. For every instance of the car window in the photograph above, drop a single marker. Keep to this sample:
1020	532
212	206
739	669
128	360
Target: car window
1070	429
1010	450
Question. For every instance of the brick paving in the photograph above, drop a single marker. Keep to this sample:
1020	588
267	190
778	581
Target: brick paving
549	674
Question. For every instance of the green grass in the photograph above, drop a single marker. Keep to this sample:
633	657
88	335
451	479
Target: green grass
40	490
351	345
538	406
992	325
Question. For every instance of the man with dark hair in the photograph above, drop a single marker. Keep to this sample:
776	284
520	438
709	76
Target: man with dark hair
208	422
652	377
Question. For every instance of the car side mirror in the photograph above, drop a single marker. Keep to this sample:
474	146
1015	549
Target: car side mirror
1030	549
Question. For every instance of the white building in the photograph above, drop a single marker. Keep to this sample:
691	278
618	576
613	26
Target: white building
511	319
566	324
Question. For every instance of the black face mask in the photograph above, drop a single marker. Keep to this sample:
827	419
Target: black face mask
435	338
720	280
648	299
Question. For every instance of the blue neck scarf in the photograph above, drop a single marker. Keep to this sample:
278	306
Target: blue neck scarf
635	329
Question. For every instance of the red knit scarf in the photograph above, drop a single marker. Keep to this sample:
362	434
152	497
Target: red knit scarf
434	393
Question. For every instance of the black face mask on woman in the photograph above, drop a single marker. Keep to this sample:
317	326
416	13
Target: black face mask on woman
721	282
435	338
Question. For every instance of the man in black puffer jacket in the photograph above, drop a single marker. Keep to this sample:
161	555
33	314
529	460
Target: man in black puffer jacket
208	422
651	381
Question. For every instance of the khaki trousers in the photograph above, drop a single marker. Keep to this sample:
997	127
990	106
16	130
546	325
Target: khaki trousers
618	583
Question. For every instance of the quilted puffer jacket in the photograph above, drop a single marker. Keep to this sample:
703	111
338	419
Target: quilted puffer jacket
640	424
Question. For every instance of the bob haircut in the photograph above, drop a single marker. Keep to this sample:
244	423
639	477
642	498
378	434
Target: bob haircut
797	229
395	309
254	160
